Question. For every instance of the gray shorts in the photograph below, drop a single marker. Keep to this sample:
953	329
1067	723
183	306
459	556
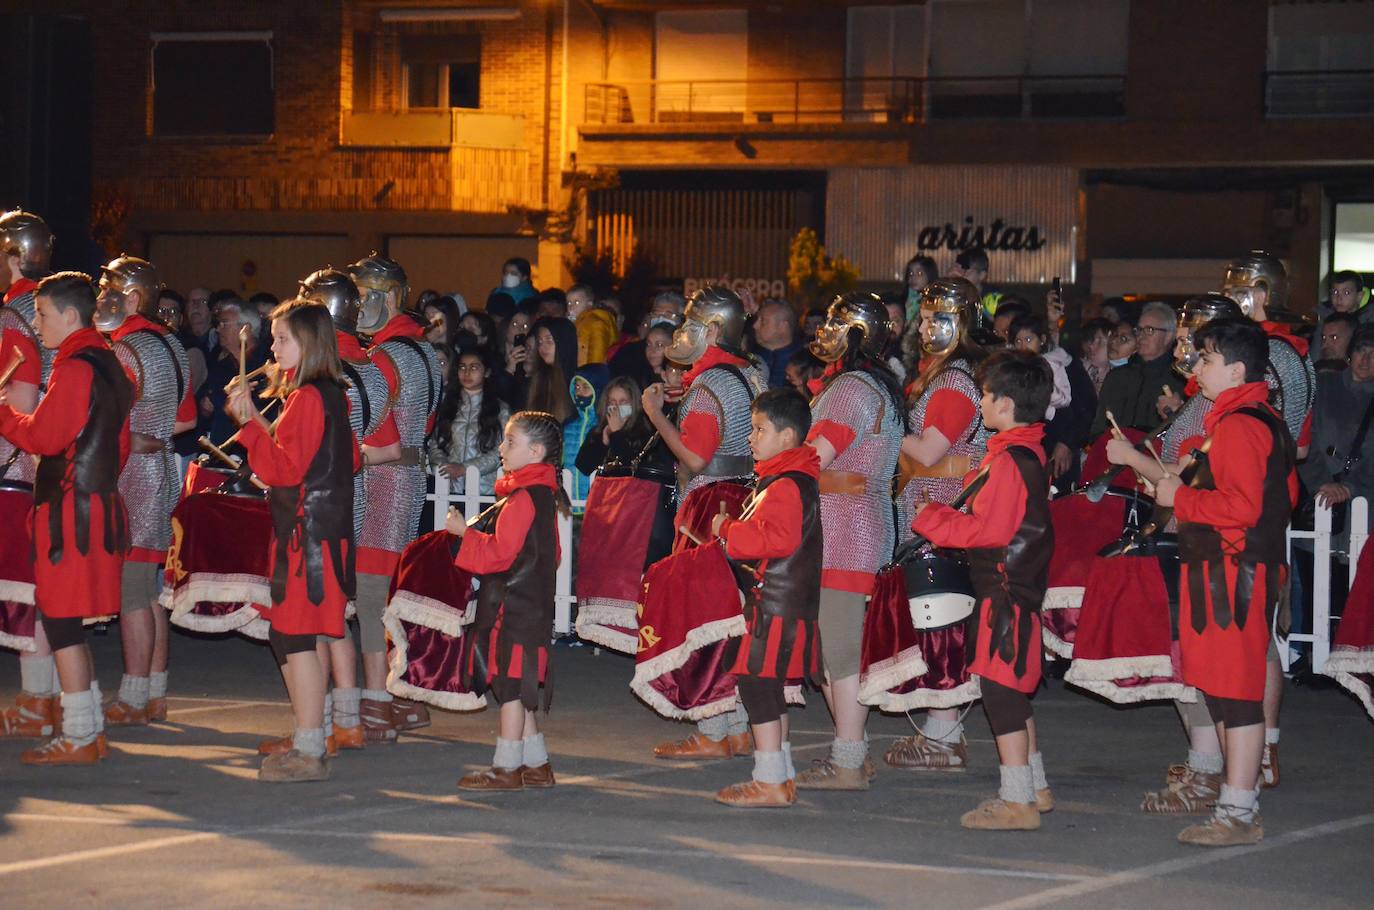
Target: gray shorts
140	585
842	630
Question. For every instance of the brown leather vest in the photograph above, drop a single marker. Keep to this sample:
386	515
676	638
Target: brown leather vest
527	588
1200	545
94	461
325	504
1019	572
791	585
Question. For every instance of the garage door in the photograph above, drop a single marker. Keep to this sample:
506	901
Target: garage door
247	263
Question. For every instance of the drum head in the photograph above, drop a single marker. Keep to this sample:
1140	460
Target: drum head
938	611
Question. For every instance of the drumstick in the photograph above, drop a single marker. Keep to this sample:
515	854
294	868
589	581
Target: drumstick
229	460
1116	431
683	530
243	354
272	426
15	363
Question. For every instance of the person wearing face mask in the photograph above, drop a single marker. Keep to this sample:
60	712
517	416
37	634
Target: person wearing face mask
515	280
585	387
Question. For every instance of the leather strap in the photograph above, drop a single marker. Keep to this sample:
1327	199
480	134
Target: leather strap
848	483
949	466
143	444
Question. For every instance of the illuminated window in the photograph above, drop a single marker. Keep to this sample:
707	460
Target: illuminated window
442	70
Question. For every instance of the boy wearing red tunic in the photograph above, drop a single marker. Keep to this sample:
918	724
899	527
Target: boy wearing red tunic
777	550
1232	521
80	431
1008	538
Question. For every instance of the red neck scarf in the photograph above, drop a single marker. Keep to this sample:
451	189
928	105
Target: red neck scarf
1030	436
713	357
803	459
1234	399
539	474
817	385
79	341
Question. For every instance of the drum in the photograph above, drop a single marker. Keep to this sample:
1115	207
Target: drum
689	609
701	505
939	591
616	529
203	476
426	618
1126	648
1351	662
219	565
1082	528
17	613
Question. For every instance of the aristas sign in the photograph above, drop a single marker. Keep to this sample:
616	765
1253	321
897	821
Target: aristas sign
998	236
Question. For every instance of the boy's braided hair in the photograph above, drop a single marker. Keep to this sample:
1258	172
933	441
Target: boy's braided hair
546	430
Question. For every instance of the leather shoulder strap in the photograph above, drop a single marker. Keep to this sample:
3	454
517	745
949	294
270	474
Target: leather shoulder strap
424	361
356	378
172	356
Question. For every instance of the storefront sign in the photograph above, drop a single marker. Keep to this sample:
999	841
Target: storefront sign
759	287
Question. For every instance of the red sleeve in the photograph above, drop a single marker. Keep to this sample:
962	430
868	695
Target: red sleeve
283	461
949	411
1239	452
1305	434
773	531
837	434
998	511
59	417
701	434
187	411
482	554
31	370
386	434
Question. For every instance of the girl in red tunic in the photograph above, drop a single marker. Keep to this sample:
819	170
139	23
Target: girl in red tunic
514	547
308	460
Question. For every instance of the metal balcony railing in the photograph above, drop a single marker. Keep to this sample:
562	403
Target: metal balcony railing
1319	93
857	100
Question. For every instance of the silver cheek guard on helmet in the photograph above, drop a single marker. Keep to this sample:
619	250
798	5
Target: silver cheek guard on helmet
942	334
372	316
689	343
832	340
109	307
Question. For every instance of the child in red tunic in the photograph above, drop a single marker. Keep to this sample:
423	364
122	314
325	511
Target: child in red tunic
80	529
1231	538
1008	539
308	460
777	550
514	548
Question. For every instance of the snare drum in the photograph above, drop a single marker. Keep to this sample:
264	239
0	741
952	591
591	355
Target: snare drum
17	613
939	591
203	476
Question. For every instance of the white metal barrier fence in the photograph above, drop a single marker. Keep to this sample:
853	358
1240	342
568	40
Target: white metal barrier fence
1322	549
472	502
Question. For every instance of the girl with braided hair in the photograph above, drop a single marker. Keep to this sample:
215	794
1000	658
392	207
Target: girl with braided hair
513	547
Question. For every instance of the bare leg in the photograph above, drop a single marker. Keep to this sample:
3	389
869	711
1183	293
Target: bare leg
137	633
1273	693
850	716
1244	747
162	645
768	737
305	682
74	668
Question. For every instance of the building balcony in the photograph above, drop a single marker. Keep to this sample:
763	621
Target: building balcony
1314	93
431	128
872	101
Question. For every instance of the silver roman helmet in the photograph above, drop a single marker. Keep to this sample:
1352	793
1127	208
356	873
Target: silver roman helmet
27	236
865	312
337	293
123	276
953	306
1256	270
1197	312
718	306
377	276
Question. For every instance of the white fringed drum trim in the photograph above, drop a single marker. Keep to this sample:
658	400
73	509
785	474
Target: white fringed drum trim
207	587
793	695
603	622
960	695
97	620
399	660
1344	664
236	621
891	673
1054	644
21	592
698	638
431	613
257	628
1101	676
17	642
1066	598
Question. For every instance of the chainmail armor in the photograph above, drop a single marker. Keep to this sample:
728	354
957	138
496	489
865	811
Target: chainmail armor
973	442
150	481
1292	381
18	315
370	387
858	531
395	493
719	393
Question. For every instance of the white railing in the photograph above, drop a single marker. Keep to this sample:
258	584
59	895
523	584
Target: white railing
1322	551
472	501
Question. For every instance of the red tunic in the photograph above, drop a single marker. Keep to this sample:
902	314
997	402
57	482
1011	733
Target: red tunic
351	349
283	462
483	553
997	513
31	370
80	585
701	430
1230	662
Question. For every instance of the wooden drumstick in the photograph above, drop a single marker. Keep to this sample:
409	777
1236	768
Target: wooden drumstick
230	460
1116	431
270	427
15	363
685	532
243	354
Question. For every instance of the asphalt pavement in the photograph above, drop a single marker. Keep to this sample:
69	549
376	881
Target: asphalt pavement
176	818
